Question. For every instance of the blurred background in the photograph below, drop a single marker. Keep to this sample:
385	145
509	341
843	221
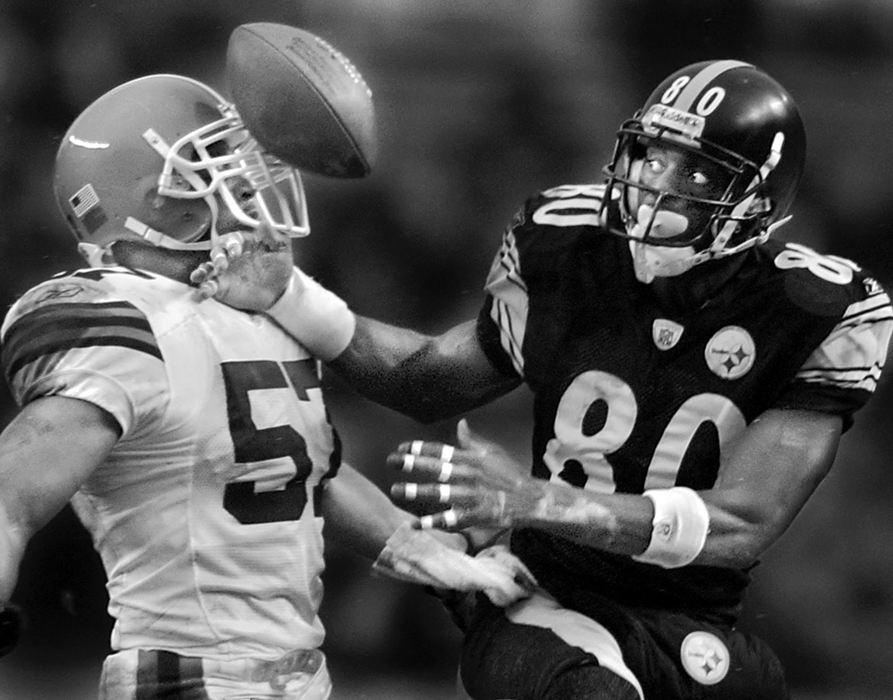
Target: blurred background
480	104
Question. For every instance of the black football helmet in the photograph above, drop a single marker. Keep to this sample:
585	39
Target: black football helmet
736	117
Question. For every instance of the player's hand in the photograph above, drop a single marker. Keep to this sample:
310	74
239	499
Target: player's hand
475	482
498	556
10	628
415	556
247	270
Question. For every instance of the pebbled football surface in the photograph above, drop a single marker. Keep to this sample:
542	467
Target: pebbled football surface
302	99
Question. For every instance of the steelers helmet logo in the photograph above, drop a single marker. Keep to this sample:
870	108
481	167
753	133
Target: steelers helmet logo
730	353
704	657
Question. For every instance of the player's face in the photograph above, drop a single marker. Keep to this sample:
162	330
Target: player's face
239	192
242	186
243	194
671	178
682	172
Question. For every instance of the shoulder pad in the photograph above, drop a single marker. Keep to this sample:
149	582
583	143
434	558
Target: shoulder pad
84	286
817	281
59	290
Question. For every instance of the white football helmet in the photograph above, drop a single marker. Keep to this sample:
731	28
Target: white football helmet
154	158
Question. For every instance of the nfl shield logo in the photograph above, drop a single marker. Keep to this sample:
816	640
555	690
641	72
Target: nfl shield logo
665	333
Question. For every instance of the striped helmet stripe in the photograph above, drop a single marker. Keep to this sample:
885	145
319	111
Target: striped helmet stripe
696	85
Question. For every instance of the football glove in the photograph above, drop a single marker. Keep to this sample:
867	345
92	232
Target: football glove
415	556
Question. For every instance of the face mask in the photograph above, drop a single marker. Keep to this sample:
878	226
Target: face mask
650	261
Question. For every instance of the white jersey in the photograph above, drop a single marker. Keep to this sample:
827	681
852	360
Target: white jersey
204	512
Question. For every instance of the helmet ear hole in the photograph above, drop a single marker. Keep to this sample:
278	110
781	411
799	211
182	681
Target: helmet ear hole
154	200
187	220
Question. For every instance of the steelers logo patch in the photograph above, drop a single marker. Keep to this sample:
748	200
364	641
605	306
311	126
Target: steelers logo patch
730	353
704	657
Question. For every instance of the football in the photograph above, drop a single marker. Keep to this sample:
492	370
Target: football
302	99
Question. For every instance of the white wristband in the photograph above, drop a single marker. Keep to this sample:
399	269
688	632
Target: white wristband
317	318
679	527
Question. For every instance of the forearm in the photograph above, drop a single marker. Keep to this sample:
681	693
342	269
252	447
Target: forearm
12	548
381	362
357	514
762	485
360	516
618	523
425	377
46	452
690	528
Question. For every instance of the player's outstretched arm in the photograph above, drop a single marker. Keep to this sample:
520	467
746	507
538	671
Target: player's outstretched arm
360	516
45	453
427	377
762	485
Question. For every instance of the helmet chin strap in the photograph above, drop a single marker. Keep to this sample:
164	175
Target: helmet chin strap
161	240
650	260
101	256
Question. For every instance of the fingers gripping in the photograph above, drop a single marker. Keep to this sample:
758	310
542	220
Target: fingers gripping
203	276
415	556
445	520
430	461
246	269
229	247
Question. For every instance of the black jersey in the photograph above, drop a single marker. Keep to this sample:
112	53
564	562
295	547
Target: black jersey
628	398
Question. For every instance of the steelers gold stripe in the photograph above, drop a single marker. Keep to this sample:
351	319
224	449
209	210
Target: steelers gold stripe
699	83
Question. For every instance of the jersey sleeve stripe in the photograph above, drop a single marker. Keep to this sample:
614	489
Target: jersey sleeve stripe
874	308
58	351
853	354
502	316
855	378
56	329
97	313
510	260
510	302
